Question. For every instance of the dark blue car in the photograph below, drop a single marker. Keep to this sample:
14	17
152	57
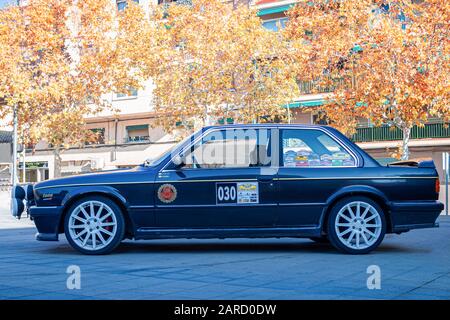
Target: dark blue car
249	181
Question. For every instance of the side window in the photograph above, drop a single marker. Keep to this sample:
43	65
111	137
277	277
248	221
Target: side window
232	148
313	148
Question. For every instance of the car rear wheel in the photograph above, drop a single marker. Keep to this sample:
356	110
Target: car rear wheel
356	225
94	225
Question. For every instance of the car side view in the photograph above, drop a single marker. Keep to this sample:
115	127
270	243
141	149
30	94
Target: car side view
240	181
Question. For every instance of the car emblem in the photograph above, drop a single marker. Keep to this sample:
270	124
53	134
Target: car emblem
167	193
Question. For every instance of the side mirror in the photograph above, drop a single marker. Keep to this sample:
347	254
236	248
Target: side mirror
179	160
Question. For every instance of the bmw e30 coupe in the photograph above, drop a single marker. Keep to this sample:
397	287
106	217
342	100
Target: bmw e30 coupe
248	181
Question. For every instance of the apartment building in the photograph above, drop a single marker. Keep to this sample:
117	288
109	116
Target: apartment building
126	138
430	141
129	137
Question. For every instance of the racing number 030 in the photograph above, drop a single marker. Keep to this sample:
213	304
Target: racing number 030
226	193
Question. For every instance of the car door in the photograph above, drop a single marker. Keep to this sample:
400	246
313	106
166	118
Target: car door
225	182
313	165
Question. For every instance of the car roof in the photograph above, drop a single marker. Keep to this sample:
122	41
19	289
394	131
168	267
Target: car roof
365	157
267	125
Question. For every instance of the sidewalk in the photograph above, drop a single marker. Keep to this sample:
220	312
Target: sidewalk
442	196
414	265
7	221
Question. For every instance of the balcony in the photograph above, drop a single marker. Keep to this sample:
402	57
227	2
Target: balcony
385	133
308	87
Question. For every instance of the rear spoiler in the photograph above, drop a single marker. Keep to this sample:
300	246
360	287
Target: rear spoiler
412	163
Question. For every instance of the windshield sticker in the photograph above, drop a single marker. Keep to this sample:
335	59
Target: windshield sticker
314	160
349	162
326	160
341	155
289	158
304	158
301	160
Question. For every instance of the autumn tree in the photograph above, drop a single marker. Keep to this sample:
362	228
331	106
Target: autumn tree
210	60
388	60
58	58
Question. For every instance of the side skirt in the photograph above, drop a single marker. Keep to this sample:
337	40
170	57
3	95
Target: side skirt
222	233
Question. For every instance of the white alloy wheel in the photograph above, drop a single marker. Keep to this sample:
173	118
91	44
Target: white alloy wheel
358	225
92	225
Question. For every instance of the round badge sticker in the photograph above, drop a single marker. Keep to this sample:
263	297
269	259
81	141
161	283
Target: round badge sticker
167	193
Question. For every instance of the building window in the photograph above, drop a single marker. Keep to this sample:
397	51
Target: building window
275	24
34	171
130	94
122	4
100	133
168	1
137	133
320	118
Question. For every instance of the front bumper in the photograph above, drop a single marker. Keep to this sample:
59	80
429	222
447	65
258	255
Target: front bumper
47	221
415	215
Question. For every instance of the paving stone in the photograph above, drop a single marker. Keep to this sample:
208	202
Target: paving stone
414	265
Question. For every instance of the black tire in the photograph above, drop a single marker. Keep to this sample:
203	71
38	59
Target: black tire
117	236
322	239
346	247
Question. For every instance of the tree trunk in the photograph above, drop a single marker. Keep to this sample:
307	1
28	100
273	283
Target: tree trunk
405	145
57	170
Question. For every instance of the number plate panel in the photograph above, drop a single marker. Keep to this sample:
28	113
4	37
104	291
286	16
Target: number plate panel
237	193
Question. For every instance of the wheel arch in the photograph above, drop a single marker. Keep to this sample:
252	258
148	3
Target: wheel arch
106	192
357	190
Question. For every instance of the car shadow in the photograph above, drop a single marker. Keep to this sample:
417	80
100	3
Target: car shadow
264	246
205	246
224	247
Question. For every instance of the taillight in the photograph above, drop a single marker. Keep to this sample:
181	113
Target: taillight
437	185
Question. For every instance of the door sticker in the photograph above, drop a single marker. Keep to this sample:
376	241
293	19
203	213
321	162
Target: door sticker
167	193
237	193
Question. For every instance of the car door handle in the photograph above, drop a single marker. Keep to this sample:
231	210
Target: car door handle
265	179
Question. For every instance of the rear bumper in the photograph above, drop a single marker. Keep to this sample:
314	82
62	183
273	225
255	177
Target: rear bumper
415	215
47	221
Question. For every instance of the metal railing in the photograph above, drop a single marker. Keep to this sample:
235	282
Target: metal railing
313	86
386	133
137	139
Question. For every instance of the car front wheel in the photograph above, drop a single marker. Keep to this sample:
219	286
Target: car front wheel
356	225
94	225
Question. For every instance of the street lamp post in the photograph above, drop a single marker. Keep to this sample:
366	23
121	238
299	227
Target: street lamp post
14	160
24	167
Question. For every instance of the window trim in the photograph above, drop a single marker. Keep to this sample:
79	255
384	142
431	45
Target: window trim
358	162
204	134
115	96
331	136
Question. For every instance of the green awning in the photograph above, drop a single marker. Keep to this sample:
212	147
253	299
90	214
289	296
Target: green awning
263	12
137	127
303	104
227	120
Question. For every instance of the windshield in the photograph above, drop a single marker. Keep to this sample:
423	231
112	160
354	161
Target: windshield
151	162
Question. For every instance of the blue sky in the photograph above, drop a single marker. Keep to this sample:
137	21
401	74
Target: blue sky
4	3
